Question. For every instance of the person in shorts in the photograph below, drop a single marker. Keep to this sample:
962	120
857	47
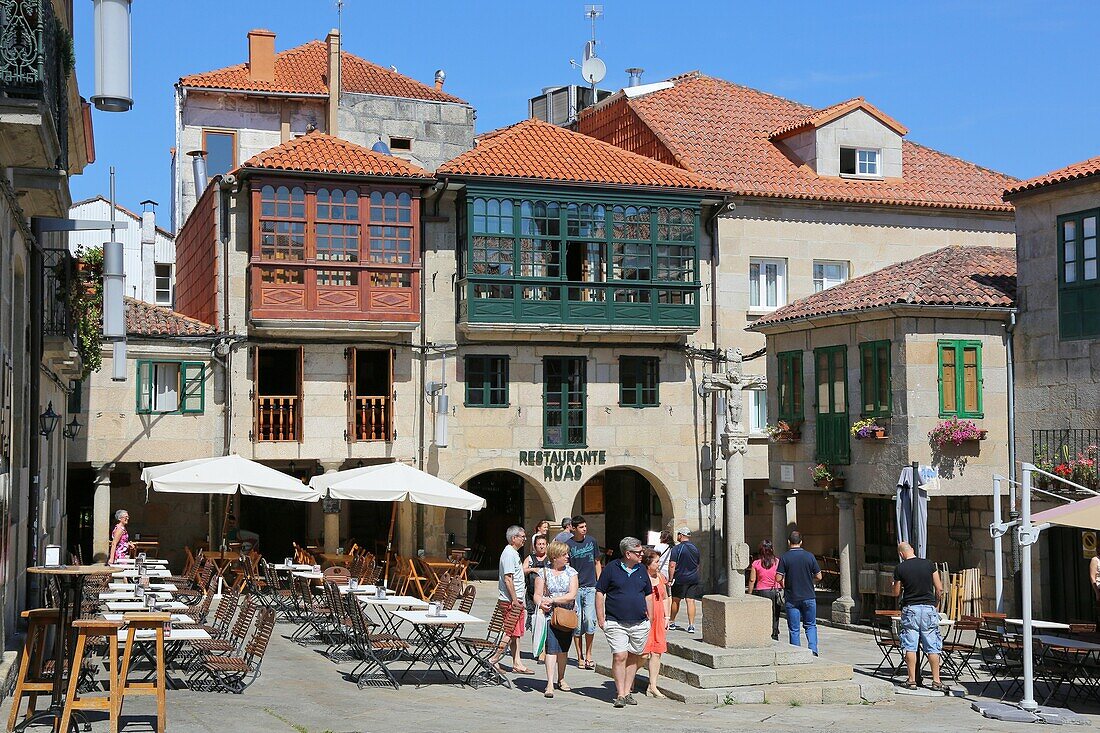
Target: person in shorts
584	557
624	607
921	589
512	592
683	575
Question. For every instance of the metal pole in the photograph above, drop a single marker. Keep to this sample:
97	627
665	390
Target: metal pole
1027	537
998	551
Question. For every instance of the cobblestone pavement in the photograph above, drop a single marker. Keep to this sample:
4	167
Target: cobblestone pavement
300	691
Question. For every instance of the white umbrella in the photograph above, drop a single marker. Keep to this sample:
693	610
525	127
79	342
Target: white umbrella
395	482
227	475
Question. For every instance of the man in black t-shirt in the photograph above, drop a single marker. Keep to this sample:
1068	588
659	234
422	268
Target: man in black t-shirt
920	587
798	571
683	574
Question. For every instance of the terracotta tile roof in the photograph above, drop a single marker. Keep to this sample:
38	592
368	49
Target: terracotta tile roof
316	152
304	70
1084	169
538	150
722	131
978	277
146	319
828	114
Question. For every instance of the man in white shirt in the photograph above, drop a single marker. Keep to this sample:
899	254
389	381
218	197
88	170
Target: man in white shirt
512	590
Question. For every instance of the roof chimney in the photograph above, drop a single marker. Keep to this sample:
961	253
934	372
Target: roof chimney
198	169
440	77
635	76
261	55
332	40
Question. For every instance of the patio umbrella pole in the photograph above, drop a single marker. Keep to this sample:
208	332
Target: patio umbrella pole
389	540
1027	535
914	498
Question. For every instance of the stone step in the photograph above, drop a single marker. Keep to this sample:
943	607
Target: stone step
702	676
708	655
861	689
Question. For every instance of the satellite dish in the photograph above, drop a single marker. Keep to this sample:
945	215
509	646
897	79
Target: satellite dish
593	70
589	50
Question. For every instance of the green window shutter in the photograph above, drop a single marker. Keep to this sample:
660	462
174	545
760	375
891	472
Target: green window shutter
192	387
1079	274
874	378
790	386
144	383
639	379
960	378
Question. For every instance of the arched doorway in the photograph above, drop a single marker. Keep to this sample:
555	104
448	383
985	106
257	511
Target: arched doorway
504	506
617	503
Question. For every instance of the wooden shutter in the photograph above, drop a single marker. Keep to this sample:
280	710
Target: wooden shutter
192	387
255	392
948	381
353	405
144	384
391	429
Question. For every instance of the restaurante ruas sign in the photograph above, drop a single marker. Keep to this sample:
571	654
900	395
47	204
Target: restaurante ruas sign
562	465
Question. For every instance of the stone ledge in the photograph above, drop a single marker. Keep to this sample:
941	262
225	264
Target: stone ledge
708	655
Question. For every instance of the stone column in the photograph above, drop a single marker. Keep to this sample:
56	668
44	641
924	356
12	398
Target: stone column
734	448
331	530
844	607
782	505
101	511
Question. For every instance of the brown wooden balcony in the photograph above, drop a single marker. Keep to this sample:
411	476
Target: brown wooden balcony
278	418
372	418
340	291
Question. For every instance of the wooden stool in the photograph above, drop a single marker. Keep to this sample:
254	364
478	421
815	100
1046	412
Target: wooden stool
94	628
32	681
138	622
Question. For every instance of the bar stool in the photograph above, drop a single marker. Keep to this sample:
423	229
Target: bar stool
32	680
140	622
93	628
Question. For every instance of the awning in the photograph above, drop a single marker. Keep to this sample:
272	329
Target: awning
1084	514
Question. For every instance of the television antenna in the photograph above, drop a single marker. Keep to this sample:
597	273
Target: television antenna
593	69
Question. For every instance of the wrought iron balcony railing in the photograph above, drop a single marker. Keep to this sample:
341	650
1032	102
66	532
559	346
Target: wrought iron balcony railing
1072	453
36	58
58	281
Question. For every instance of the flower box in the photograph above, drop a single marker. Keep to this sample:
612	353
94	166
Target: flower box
876	433
787	436
955	432
831	484
784	432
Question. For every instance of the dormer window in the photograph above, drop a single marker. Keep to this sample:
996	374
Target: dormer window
860	162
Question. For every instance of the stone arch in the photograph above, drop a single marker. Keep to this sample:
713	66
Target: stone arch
657	478
470	472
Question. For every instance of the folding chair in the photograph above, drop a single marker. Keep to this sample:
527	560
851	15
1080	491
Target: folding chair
235	673
485	652
373	650
887	642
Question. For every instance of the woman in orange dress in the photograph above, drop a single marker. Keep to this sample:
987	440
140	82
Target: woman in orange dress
655	646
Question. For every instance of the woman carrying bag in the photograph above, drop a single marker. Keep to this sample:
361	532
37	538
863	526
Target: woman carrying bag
555	593
532	567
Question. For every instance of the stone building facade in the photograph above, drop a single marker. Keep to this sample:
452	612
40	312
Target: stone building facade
1057	358
910	358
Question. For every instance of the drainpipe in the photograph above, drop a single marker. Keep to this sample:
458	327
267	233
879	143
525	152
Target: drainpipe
1013	515
34	452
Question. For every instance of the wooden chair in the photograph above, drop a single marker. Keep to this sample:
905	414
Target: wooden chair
232	642
136	622
35	674
90	628
235	674
416	578
485	652
960	649
373	650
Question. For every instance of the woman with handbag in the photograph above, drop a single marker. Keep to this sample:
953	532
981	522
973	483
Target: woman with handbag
656	645
555	594
762	582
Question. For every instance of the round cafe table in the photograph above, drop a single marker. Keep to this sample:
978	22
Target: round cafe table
70	583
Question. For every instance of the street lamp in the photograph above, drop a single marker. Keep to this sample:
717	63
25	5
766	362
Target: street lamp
72	429
48	421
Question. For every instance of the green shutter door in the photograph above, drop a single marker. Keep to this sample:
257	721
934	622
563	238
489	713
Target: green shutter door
193	386
564	402
831	369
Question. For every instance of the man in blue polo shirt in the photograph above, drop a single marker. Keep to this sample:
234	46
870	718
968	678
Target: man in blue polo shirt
798	571
624	606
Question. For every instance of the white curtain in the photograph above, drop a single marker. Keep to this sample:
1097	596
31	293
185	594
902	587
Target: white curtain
166	382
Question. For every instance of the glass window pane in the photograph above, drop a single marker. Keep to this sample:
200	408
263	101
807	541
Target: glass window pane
1088	226
771	277
754	284
1069	229
1071	272
1090	247
220	152
1090	270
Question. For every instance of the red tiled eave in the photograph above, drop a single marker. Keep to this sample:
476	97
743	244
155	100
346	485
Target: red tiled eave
828	114
537	150
146	319
1084	169
953	277
316	152
722	131
303	70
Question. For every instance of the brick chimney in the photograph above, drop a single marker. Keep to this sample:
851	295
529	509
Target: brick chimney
332	40
261	55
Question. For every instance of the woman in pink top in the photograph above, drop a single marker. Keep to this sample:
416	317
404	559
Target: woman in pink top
762	581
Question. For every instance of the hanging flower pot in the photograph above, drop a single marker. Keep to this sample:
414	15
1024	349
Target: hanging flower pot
955	432
784	432
868	429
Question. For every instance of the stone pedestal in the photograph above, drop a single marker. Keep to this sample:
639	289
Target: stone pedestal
741	621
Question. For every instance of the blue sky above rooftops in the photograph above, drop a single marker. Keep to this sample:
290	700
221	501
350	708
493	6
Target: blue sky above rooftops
1010	85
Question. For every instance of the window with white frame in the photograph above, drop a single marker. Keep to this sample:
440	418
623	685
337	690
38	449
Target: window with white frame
860	162
758	410
163	285
828	273
767	283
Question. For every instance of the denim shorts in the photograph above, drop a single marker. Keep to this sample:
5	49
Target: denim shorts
921	623
586	611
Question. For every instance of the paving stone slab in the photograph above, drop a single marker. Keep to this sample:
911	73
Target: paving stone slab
1003	711
1061	716
814	672
875	690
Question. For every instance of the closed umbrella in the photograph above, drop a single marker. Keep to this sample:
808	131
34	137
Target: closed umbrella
395	482
905	508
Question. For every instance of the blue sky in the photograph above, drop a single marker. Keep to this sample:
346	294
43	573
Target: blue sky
1008	85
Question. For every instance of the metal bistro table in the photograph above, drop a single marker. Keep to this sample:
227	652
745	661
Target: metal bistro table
436	634
385	608
70	583
1069	661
